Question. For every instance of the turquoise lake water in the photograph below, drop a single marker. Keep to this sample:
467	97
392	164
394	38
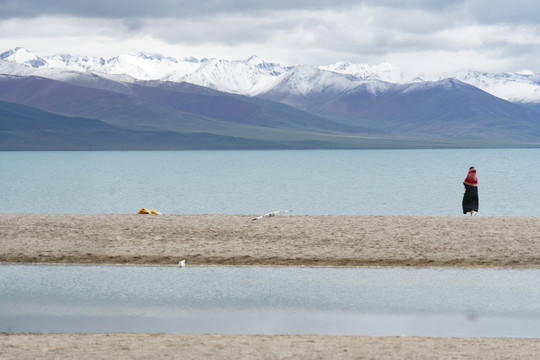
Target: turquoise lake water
337	182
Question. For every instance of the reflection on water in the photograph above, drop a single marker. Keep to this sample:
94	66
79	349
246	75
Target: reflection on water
271	300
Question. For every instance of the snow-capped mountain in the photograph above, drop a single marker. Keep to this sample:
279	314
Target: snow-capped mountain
515	87
149	101
145	66
23	57
254	76
248	77
383	72
307	88
304	79
141	66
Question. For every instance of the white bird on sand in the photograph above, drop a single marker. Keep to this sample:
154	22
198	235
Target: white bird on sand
182	263
270	214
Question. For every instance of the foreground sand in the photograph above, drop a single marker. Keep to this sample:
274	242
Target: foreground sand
280	240
186	347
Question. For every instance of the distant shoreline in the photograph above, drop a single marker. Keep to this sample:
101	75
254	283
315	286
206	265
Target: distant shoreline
311	240
372	143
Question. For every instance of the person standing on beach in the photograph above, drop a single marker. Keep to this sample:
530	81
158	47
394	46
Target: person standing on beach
470	198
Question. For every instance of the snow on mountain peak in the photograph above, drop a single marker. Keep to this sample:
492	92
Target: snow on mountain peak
255	60
22	56
247	77
383	72
305	79
18	54
75	63
145	66
152	56
515	87
255	75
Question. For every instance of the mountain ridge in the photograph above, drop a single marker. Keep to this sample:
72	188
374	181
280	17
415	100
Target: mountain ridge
254	75
149	108
347	106
27	128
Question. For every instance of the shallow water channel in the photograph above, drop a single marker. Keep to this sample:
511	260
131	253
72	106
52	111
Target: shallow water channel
271	300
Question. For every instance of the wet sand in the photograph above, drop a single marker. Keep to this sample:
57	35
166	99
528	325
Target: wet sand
280	240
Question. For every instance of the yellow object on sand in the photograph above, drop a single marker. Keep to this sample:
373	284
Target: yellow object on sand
149	211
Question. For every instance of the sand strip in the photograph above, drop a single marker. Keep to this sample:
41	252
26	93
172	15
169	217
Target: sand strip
280	240
208	347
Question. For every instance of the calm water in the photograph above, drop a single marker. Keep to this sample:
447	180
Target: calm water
348	182
271	300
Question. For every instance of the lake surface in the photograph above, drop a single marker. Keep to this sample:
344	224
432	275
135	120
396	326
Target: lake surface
338	182
271	300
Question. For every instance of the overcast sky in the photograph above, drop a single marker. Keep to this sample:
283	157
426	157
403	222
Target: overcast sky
415	35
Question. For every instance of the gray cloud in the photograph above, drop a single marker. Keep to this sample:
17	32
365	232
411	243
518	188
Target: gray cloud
505	12
155	8
315	31
187	8
481	11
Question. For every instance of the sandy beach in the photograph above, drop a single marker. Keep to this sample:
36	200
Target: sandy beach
209	347
281	240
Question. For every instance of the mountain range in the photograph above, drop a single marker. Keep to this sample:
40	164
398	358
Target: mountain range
148	101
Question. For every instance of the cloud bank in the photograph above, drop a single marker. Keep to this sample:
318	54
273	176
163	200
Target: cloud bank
417	35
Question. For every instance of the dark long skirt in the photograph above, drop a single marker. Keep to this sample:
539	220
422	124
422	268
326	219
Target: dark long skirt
470	199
